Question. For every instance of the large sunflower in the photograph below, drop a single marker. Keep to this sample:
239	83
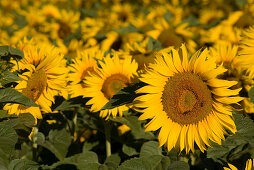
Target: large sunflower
84	64
186	101
113	75
46	77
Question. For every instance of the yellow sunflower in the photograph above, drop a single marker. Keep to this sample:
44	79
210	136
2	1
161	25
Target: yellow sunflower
246	53
186	100
113	75
45	79
140	52
247	62
173	35
225	31
249	165
227	54
82	66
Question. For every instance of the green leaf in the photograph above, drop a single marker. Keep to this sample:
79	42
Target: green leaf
150	148
153	161
135	163
58	143
167	16
7	51
241	3
8	138
236	145
128	150
3	114
148	162
11	120
4	160
88	12
24	164
123	96
87	160
25	124
251	94
9	77
165	162
89	146
179	165
112	162
137	129
191	20
71	103
153	44
9	95
124	30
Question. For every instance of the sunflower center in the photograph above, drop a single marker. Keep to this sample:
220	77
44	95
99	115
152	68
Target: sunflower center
113	84
36	85
64	30
186	98
85	74
170	38
187	101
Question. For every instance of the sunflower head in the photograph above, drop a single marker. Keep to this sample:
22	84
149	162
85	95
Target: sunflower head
185	100
83	65
45	78
113	75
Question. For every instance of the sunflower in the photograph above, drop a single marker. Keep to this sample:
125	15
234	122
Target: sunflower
173	35
44	79
249	165
65	25
208	16
102	85
246	53
225	53
247	62
186	101
225	31
84	64
140	52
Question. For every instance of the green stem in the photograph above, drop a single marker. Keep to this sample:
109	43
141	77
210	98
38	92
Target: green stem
35	145
75	117
107	134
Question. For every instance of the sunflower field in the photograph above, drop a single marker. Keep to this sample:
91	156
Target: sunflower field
126	84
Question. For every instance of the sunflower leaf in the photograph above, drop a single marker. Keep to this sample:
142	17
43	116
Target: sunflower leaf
25	124
124	96
128	29
150	148
8	138
6	52
4	160
87	160
135	163
71	103
179	165
153	44
236	145
58	143
137	129
128	150
112	162
9	95
9	77
251	94
18	164
148	162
